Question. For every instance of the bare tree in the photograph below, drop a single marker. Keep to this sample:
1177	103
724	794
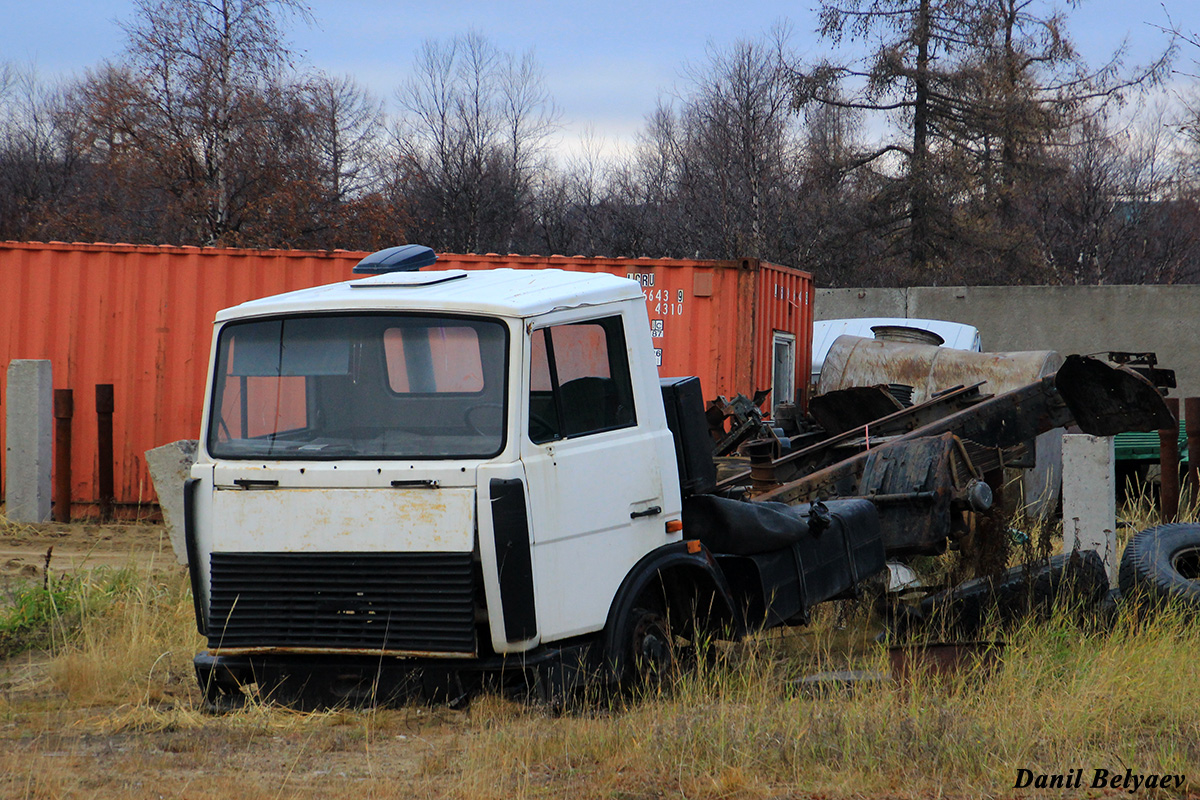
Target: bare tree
205	76
650	220
713	173
39	153
345	129
846	214
982	88
471	142
742	142
333	192
572	203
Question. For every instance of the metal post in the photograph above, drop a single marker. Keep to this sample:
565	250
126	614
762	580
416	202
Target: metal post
104	448
1191	424
1168	457
64	410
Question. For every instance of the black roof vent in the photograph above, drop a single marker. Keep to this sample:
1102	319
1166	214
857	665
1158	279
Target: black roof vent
405	258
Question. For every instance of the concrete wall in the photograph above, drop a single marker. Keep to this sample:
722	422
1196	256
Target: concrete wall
1069	319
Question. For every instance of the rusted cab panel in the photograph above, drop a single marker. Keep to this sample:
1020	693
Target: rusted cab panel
140	318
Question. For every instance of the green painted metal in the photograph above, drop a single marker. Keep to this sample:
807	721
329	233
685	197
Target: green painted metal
1138	446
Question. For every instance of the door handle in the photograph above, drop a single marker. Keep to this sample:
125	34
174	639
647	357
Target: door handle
255	483
649	512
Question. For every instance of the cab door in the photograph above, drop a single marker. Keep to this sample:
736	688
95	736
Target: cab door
594	445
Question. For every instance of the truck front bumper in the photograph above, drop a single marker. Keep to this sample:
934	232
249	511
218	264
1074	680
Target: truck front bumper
329	680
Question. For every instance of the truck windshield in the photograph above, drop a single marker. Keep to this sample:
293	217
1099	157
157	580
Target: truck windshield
359	386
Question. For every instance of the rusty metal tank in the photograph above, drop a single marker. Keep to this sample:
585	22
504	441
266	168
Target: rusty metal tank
915	371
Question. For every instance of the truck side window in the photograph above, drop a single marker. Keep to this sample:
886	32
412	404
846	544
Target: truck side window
579	380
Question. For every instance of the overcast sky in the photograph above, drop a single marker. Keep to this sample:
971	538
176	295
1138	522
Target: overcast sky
605	62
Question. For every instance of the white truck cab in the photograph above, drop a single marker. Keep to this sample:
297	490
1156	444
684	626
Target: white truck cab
373	448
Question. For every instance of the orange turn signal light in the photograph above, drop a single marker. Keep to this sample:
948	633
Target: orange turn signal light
674	525
693	546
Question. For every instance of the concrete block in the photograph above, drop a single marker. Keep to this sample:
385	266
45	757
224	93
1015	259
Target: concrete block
1089	497
170	465
29	423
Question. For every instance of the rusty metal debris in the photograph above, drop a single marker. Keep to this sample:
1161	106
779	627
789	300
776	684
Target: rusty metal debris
1105	400
923	464
772	468
846	409
744	417
1145	364
921	370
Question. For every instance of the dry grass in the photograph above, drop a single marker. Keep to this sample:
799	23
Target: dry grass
115	713
137	650
1063	697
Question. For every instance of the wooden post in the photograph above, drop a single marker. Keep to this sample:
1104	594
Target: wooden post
64	410
1168	459
1191	424
104	448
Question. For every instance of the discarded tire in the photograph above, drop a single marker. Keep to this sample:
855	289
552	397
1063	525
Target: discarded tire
1110	606
1163	563
1023	591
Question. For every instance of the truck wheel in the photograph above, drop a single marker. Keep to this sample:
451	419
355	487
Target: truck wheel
643	649
1163	563
652	660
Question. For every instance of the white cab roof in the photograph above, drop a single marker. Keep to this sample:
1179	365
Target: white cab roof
494	292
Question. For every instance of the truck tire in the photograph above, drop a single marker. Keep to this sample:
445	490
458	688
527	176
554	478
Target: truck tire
671	606
1163	563
650	660
653	645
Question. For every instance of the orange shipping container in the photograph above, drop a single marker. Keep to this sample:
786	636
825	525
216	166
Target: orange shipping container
140	318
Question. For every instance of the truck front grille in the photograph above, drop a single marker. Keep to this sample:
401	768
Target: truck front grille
410	602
